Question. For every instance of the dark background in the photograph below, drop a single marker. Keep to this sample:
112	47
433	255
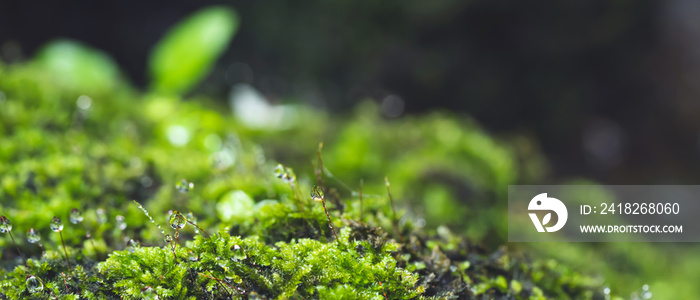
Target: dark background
608	88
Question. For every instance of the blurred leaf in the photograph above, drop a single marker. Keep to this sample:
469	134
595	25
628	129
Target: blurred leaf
78	66
187	53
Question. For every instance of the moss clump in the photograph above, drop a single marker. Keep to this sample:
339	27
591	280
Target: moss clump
304	267
126	146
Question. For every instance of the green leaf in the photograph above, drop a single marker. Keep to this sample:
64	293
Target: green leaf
187	53
78	67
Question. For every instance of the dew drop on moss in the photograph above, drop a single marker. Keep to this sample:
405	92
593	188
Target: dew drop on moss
121	224
32	236
5	224
317	193
132	245
149	294
279	171
56	224
646	294
291	177
33	284
285	174
177	221
184	186
146	181
237	253
101	216
168	239
192	256
76	216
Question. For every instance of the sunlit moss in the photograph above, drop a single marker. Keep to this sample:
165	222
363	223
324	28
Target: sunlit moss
272	240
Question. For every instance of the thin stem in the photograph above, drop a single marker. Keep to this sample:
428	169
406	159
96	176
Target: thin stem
64	281
382	286
189	268
223	282
64	249
13	242
44	286
149	217
320	179
200	228
318	196
361	183
172	248
342	184
328	217
296	192
394	221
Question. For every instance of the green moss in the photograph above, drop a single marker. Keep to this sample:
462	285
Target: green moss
126	146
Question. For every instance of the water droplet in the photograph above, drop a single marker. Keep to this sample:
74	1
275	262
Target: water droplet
291	177
191	218
184	186
84	102
285	174
76	216
279	171
177	221
149	293
238	253
393	106
146	181
132	245
56	224
121	224
5	224
168	239
32	236
193	256
33	284
223	159
317	193
101	216
178	135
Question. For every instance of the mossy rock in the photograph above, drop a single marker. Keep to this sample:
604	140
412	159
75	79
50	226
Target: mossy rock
269	239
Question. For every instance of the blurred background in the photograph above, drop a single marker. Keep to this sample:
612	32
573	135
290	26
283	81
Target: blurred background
604	90
608	88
